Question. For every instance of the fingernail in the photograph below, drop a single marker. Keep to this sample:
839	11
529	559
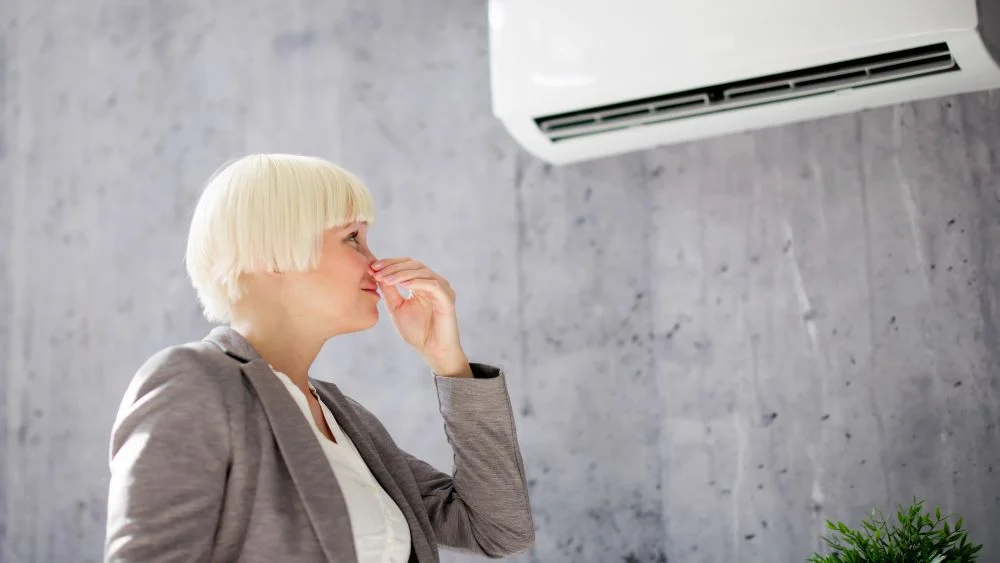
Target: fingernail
376	265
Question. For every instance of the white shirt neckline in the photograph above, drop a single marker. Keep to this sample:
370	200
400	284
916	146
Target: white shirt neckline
381	533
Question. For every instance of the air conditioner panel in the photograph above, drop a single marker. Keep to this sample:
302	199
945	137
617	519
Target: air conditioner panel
971	47
978	73
858	73
547	54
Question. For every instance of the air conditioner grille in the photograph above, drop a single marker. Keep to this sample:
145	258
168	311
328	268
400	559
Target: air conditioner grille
857	73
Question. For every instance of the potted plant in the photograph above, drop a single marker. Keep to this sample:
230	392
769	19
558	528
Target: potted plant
917	537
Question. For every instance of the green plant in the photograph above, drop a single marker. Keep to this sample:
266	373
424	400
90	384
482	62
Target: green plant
916	538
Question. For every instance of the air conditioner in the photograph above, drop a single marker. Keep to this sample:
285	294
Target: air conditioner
573	80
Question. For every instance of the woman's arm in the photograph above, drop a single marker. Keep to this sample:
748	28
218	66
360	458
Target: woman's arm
169	455
483	507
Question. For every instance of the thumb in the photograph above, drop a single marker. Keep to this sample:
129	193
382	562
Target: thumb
393	299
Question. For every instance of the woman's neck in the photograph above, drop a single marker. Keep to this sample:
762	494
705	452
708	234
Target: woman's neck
285	347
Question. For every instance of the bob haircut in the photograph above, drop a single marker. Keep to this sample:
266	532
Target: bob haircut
266	212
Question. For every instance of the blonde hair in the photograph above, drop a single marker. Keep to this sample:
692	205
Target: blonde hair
266	212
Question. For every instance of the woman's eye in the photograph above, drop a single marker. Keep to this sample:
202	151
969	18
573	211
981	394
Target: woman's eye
354	238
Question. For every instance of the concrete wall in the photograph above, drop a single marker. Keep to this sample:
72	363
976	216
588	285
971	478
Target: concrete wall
711	347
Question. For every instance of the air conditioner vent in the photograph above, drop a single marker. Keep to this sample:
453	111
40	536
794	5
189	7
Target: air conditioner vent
857	73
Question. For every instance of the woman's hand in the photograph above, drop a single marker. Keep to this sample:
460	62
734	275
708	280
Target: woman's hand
426	320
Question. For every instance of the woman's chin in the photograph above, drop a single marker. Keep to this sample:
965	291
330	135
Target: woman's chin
363	319
370	320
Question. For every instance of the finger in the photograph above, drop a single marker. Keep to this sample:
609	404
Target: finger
393	299
407	275
435	287
383	263
388	271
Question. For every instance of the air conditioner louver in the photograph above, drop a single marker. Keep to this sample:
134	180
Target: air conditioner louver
857	73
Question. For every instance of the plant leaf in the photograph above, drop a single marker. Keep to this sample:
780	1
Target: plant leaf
912	536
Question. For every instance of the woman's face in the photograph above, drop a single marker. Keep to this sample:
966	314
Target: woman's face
339	295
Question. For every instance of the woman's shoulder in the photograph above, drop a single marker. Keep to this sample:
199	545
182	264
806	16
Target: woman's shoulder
191	368
198	353
176	394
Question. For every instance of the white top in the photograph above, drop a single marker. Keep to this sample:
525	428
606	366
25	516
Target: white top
381	534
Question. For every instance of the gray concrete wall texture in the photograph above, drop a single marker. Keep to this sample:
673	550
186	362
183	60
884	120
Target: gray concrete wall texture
712	347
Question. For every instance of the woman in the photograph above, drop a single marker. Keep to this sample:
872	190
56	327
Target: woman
225	449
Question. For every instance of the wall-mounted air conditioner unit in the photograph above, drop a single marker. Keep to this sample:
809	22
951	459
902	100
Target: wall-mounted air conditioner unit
581	79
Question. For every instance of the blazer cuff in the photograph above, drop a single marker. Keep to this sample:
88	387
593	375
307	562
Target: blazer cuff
486	390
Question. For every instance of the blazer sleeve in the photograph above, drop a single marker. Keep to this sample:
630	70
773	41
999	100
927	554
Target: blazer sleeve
169	455
483	507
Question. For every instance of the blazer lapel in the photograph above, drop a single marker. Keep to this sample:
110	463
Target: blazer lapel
340	406
308	466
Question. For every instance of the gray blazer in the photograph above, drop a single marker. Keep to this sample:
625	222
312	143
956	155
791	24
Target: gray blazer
212	460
